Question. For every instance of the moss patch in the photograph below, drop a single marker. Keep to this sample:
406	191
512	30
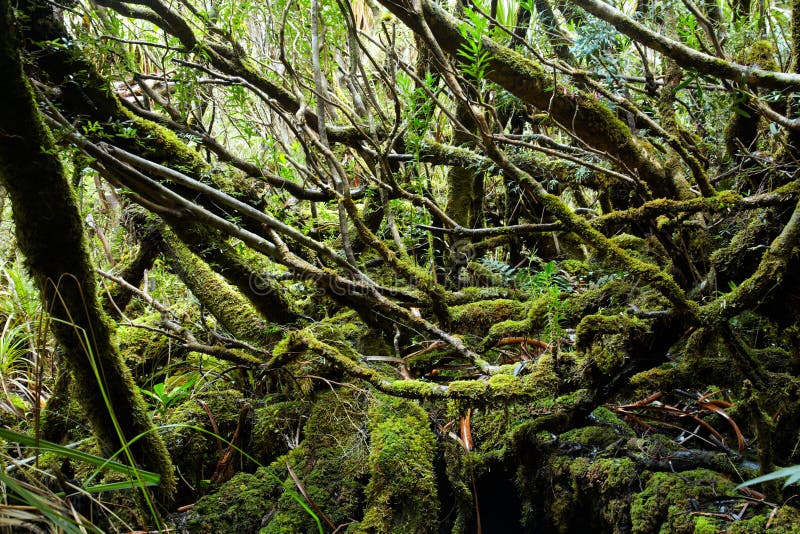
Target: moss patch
666	502
401	494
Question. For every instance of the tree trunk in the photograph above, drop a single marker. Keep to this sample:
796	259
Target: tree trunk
50	235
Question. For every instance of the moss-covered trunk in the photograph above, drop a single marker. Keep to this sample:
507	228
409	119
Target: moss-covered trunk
50	235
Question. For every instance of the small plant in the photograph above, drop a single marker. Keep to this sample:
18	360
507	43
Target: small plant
164	398
549	282
14	365
505	272
476	59
18	296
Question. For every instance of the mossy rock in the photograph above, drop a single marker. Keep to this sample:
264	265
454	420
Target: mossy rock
240	505
665	504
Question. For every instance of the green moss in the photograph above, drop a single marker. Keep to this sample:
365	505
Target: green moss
275	426
664	504
605	339
491	425
591	436
346	337
480	275
630	242
331	462
706	525
607	295
140	345
608	474
753	525
587	495
161	144
459	468
230	308
607	417
468	389
533	322
535	385
418	388
508	328
401	494
663	377
786	520
478	317
575	268
646	250
243	269
239	505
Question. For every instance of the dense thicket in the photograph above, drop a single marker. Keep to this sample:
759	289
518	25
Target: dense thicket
456	266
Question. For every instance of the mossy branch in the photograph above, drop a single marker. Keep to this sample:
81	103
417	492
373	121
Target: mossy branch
688	57
770	272
500	387
576	111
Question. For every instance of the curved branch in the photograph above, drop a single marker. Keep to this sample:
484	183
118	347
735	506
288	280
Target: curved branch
688	57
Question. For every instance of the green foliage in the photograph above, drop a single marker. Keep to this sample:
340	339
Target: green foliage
19	310
165	398
15	369
687	29
421	107
49	506
93	128
137	478
475	58
598	41
18	295
508	275
791	474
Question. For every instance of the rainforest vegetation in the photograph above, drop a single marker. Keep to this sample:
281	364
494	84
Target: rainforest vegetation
399	266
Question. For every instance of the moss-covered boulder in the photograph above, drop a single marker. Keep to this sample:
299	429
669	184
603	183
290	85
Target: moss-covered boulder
240	505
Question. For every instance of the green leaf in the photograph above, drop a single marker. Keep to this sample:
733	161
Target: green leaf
149	478
741	112
791	474
59	517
